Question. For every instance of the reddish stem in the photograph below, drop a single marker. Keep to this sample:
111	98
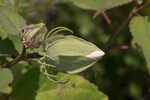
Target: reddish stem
108	20
122	47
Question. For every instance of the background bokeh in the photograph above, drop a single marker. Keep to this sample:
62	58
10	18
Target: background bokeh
120	74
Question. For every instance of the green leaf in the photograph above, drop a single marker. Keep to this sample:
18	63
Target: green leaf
72	54
5	79
76	89
99	4
20	69
140	29
26	87
7	47
35	86
10	26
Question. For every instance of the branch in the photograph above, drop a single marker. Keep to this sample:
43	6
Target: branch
122	47
114	34
16	60
21	57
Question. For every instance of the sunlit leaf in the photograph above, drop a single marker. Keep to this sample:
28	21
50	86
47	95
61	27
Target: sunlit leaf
5	79
140	29
10	25
76	89
34	85
99	4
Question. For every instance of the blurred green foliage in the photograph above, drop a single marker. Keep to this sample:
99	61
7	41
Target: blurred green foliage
120	74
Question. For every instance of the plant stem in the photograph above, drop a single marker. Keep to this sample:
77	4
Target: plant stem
16	60
122	47
114	34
